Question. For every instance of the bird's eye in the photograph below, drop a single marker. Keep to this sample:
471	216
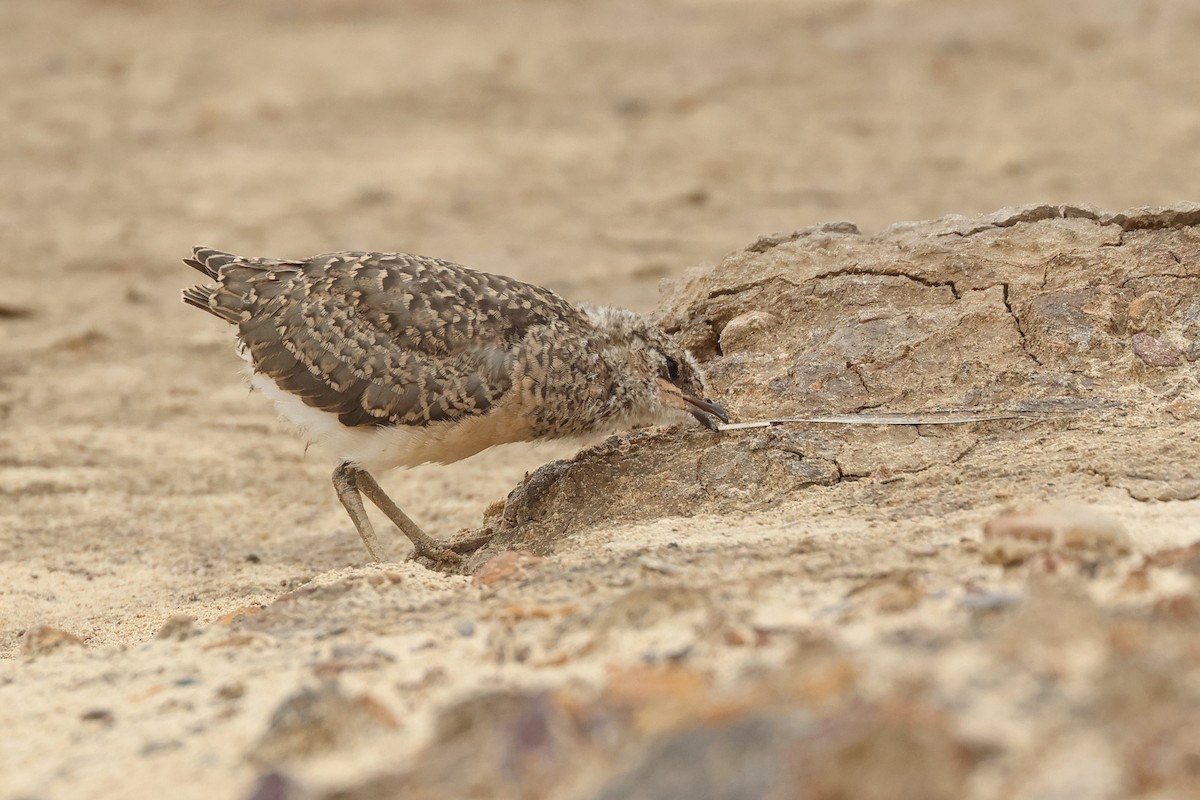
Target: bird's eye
672	370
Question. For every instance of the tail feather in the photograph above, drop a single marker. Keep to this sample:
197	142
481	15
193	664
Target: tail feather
206	298
197	296
209	261
242	283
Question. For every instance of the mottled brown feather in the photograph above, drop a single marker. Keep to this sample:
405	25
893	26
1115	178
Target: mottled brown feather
381	338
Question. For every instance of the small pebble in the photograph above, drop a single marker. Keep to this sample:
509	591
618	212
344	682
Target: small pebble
178	628
231	691
1156	352
659	566
988	601
100	715
161	746
42	639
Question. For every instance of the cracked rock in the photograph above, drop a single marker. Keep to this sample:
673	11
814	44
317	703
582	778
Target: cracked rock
1051	309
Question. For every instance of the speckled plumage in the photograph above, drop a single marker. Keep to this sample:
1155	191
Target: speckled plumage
391	359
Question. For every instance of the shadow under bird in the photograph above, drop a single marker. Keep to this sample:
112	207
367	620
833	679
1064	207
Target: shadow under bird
391	360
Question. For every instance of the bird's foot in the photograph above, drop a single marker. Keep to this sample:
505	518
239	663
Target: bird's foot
427	548
454	552
469	541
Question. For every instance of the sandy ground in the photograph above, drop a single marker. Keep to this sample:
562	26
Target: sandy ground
596	148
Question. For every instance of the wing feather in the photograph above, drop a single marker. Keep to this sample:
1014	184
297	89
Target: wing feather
380	338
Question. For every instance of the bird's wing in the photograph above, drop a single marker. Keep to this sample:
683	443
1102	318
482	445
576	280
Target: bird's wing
384	338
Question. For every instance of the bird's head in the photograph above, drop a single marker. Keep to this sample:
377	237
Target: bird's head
657	381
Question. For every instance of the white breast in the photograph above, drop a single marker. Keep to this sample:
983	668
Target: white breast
384	447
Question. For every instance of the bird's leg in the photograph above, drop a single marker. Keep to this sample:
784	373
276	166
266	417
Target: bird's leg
346	484
424	545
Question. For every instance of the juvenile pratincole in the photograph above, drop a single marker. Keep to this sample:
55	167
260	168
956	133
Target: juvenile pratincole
393	360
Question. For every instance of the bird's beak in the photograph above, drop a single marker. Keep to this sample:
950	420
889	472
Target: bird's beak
703	410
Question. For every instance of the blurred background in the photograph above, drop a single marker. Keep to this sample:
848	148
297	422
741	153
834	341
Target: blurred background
594	146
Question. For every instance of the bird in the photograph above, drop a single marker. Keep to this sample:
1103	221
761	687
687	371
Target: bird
386	360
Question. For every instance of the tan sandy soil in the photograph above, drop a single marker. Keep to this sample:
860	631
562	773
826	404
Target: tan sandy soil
820	609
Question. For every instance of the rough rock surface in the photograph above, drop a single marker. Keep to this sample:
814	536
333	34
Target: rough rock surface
1088	317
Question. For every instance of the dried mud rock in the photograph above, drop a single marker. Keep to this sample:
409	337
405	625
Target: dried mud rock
659	732
889	750
959	311
1040	308
1056	660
